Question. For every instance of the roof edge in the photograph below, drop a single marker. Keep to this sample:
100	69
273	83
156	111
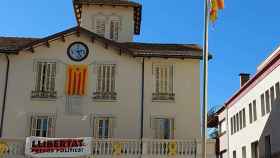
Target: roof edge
259	73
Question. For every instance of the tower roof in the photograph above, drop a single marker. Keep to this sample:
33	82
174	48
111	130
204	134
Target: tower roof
136	6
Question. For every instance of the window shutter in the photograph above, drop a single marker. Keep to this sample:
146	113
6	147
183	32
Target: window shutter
171	68
32	126
113	72
111	127
52	77
99	78
38	76
51	125
172	128
100	27
96	128
157	79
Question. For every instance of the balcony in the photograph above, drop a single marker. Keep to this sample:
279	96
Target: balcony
125	148
163	96
105	96
43	94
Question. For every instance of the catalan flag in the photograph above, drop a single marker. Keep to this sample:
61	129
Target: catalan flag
216	5
76	80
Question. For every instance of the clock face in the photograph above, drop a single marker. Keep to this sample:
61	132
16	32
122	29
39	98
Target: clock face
77	51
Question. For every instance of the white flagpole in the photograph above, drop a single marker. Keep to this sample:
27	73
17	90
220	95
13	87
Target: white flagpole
205	79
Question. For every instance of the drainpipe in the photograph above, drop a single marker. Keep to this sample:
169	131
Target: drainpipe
142	105
5	95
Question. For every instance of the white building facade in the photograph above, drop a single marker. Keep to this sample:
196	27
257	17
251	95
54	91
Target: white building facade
93	81
248	121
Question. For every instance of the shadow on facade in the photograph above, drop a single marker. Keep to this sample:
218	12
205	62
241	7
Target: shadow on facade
269	143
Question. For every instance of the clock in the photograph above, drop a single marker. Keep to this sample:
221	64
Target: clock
77	51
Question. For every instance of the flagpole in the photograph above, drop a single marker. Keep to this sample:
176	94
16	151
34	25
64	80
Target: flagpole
205	79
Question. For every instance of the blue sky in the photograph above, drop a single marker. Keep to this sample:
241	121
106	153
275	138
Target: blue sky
244	35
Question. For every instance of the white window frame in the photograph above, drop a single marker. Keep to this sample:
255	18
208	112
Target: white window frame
114	33
96	126
105	81
50	132
45	79
163	79
157	130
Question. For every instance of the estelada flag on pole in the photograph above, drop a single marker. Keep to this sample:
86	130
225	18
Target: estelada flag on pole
216	5
76	80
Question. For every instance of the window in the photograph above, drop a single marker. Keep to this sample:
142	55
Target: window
241	119
244	118
114	29
262	104
234	154
267	147
255	149
231	125
254	110
244	152
106	76
250	113
222	127
103	127
45	80
234	124
100	26
237	122
163	128
267	101
277	89
163	79
42	126
272	96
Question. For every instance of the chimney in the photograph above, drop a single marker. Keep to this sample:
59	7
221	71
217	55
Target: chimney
244	77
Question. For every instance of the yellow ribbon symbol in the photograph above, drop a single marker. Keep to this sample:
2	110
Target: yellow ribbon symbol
4	148
117	149
172	146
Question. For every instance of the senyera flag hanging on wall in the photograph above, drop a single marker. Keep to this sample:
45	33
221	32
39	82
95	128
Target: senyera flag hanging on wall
76	80
57	147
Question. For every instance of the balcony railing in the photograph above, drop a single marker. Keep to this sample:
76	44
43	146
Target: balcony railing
12	148
163	96
125	148
44	94
105	96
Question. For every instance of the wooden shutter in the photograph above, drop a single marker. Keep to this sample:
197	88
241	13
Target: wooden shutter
39	66
172	128
100	26
52	77
170	81
96	128
113	73
110	127
33	126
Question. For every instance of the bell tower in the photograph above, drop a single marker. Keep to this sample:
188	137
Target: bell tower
118	20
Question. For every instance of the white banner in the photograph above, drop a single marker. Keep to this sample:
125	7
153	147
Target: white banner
57	147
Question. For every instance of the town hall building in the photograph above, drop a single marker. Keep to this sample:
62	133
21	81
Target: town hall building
92	81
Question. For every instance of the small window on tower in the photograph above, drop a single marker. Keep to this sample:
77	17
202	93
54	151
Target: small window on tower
114	28
100	26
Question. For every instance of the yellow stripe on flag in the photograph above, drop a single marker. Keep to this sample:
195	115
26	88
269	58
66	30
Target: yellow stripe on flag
76	80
